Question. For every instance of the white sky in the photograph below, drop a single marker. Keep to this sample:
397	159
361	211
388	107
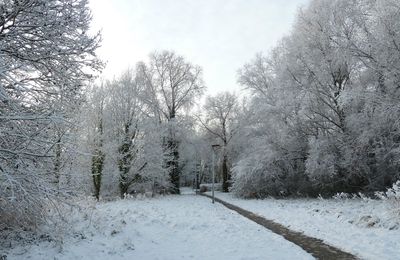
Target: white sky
219	35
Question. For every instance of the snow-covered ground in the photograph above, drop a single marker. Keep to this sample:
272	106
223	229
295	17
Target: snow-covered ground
170	227
367	228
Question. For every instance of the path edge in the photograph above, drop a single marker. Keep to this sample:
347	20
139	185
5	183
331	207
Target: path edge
314	246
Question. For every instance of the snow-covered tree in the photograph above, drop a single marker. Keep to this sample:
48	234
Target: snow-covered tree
323	111
47	56
131	129
173	85
95	120
220	114
123	139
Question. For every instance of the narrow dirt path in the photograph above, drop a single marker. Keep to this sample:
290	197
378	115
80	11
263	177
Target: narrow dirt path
314	246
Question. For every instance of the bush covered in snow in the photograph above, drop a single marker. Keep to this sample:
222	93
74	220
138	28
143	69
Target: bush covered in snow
392	195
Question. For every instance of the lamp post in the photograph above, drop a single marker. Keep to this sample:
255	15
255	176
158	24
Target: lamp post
215	147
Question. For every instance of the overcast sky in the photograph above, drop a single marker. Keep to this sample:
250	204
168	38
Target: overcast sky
218	35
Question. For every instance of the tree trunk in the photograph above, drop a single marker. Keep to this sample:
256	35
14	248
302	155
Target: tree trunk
97	170
173	161
225	175
98	163
123	187
57	163
173	165
124	168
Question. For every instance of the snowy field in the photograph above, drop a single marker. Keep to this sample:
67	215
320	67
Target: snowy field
369	229
170	227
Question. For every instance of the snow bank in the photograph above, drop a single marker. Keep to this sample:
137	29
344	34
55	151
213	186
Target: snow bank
171	227
365	227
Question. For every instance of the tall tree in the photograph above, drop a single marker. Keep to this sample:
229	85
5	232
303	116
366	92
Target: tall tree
173	85
126	125
95	123
220	120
